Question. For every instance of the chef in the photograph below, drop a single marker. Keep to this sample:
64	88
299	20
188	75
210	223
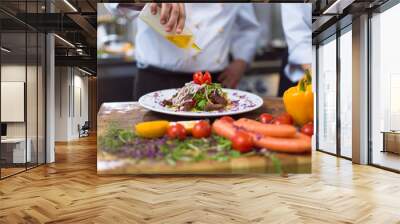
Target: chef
219	29
296	22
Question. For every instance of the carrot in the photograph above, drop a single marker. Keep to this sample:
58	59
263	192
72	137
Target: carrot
297	144
272	130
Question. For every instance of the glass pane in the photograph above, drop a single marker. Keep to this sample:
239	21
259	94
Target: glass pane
13	87
32	98
327	97
41	98
385	86
32	86
346	94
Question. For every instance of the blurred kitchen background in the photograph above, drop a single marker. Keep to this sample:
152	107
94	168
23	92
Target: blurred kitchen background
116	54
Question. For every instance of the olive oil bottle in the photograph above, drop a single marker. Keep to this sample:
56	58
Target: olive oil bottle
184	40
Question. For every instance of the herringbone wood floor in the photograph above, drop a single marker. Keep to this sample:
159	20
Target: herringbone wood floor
70	191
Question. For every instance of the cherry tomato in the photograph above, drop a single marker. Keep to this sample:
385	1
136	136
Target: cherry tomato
201	129
266	118
288	117
242	142
207	78
176	131
198	78
308	129
284	118
227	118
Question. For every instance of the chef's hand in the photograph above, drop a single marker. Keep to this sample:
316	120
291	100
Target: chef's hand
232	74
306	67
172	15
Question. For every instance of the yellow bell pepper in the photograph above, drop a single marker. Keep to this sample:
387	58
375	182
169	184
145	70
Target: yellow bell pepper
299	101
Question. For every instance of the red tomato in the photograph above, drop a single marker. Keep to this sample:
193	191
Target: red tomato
176	131
278	122
266	118
284	118
207	78
242	142
198	78
288	117
308	129
227	118
201	129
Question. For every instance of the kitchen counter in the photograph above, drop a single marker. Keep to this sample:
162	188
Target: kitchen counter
127	114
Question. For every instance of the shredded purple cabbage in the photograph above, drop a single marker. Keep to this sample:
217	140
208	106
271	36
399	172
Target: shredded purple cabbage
142	148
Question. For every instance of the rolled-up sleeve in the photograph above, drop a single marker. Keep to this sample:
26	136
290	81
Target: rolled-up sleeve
246	33
296	21
119	8
111	7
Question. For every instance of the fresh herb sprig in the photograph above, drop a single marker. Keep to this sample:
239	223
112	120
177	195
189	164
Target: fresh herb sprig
114	138
194	150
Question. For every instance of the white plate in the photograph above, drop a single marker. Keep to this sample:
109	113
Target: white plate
242	102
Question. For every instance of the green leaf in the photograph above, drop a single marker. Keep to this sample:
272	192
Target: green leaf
115	137
164	149
308	76
276	163
170	161
176	154
234	154
222	158
201	104
222	142
126	136
199	157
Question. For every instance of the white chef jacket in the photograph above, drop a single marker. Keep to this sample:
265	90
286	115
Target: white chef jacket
297	26
219	29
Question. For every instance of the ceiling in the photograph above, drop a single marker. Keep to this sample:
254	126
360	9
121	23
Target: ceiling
73	20
330	15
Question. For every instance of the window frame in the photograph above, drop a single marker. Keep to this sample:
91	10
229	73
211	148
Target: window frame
29	29
378	10
346	27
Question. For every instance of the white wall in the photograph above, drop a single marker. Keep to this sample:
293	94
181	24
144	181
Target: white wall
70	83
16	73
33	126
11	73
62	82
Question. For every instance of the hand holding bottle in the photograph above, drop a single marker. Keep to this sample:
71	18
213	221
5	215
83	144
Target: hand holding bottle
172	15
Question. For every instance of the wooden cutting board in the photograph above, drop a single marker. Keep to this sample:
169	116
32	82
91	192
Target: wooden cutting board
127	114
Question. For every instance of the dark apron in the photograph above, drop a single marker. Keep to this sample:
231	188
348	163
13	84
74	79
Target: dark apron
151	79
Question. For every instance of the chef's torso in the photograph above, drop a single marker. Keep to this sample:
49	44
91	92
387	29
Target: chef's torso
213	26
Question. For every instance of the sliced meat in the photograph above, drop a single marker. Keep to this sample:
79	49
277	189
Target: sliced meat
217	99
187	106
213	106
166	103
